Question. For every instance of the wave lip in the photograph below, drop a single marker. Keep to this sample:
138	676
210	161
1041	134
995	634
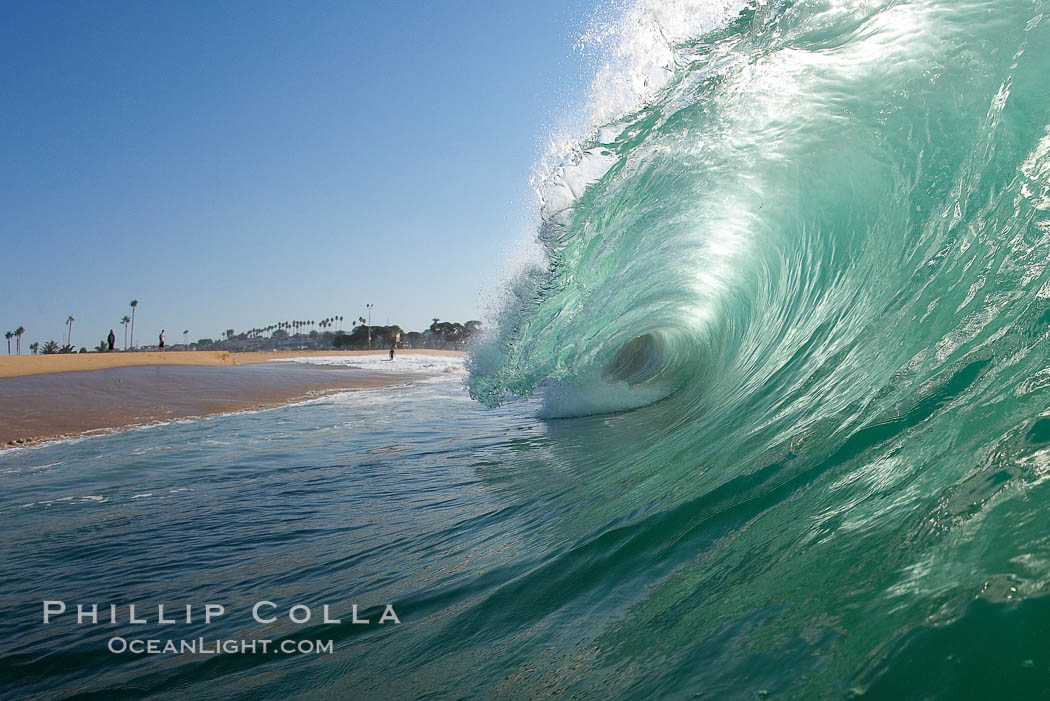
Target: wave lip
604	278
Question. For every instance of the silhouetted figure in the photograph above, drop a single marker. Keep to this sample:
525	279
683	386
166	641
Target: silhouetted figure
162	338
111	339
391	351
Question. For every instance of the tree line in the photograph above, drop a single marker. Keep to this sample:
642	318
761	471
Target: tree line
442	335
325	333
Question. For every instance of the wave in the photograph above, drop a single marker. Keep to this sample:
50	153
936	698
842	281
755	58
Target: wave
810	254
827	202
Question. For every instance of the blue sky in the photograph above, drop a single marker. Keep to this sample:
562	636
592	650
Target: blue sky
242	163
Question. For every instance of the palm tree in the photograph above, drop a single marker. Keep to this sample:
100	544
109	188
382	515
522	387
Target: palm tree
8	335
134	303
18	338
186	338
34	346
124	321
369	325
69	337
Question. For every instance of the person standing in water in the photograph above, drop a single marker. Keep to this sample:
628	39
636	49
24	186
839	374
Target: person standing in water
162	338
111	339
391	351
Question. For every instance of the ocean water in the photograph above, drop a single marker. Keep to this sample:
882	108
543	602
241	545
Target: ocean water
769	417
392	495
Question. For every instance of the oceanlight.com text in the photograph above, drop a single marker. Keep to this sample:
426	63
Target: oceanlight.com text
200	646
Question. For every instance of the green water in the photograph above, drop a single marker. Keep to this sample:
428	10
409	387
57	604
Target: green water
817	257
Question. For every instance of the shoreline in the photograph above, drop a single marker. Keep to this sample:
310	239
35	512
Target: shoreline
42	407
42	440
25	365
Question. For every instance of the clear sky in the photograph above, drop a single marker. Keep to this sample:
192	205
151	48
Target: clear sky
235	164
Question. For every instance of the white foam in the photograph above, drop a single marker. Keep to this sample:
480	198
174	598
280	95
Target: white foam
639	49
403	362
561	400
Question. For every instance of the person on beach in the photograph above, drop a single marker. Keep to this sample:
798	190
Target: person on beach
111	339
391	351
162	338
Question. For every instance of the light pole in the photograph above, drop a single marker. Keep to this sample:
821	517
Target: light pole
369	325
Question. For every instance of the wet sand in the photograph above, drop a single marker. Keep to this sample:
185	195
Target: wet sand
22	365
38	407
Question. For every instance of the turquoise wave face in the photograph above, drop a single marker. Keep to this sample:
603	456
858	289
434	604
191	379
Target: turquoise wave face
824	211
815	264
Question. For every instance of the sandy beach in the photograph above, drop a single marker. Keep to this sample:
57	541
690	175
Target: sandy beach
22	365
56	396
